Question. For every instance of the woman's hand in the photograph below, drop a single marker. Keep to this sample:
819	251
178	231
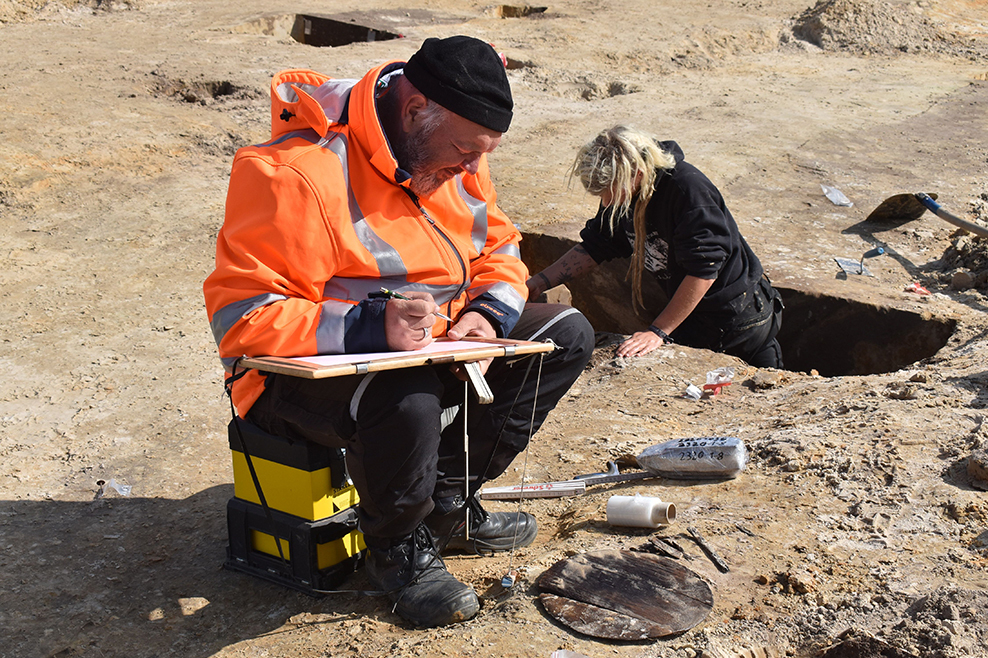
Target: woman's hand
537	284
683	302
639	344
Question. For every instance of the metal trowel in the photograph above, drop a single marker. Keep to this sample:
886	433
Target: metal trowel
851	266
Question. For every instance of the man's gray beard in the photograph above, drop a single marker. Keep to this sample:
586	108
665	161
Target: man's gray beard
423	185
414	158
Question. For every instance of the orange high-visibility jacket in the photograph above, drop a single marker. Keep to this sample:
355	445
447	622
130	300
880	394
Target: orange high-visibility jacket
320	217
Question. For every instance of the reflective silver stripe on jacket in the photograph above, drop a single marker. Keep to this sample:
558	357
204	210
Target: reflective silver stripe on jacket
478	208
230	314
389	262
356	289
308	135
509	249
441	294
329	333
229	362
502	292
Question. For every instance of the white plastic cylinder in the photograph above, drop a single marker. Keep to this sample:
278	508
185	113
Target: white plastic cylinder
639	511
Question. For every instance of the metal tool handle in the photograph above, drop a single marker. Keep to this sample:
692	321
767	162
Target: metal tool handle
938	210
871	253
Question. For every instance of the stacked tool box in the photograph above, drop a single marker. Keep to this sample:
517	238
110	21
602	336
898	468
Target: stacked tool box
306	507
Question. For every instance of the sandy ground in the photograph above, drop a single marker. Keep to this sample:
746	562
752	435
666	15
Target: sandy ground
855	529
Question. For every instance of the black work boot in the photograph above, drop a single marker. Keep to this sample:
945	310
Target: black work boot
489	532
415	577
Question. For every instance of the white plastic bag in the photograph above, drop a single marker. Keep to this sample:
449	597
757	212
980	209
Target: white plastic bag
836	196
703	458
724	375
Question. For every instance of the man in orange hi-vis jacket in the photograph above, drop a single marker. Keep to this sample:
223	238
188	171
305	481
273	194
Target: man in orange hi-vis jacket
384	182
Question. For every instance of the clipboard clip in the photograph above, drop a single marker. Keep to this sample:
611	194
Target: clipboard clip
478	383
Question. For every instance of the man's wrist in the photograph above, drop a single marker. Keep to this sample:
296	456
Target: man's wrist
661	334
545	280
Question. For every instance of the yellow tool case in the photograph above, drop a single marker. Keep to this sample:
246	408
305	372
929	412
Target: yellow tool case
310	509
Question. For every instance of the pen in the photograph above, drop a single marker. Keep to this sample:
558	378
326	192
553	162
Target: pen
398	295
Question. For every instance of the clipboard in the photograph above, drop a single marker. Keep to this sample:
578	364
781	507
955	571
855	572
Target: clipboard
442	350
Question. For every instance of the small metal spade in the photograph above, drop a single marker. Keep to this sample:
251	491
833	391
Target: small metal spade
902	208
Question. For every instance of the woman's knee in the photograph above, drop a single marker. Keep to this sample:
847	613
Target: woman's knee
768	356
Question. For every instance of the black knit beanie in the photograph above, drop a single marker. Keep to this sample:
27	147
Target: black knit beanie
465	76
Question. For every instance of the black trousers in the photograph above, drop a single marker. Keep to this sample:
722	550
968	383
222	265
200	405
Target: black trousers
746	328
398	454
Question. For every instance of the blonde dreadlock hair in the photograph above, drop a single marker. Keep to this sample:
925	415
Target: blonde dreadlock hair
626	162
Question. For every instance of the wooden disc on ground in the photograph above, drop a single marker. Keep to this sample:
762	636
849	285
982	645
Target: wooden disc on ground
622	595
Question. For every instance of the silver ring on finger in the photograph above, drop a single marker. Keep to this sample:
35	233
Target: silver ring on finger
425	333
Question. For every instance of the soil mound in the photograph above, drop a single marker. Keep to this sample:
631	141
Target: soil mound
16	11
867	27
964	263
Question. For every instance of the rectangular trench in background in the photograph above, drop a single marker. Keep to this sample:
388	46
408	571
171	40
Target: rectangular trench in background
323	32
344	27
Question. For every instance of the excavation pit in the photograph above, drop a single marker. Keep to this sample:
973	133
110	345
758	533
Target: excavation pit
323	32
518	11
831	335
837	336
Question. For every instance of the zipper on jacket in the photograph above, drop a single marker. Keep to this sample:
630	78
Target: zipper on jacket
463	268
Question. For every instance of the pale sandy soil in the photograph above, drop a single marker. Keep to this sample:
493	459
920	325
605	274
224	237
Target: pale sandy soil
119	124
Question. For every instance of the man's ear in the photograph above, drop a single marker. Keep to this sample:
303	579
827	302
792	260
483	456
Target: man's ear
410	111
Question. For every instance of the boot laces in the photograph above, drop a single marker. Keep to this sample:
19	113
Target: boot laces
478	515
420	541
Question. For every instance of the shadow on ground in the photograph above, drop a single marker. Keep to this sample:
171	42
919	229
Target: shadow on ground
137	577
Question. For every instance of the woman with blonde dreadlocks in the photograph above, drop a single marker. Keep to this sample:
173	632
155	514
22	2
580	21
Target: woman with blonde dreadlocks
672	222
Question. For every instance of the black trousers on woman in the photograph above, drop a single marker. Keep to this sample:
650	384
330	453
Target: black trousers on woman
746	327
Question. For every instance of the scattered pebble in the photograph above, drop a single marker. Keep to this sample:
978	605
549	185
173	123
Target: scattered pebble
977	468
962	280
764	379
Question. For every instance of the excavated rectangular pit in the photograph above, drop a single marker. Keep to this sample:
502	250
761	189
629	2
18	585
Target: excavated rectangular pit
831	335
517	11
838	336
321	32
345	27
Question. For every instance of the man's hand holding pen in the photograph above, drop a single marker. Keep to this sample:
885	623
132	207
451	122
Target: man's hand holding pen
408	320
391	294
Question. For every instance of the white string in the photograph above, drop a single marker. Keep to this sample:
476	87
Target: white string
524	468
466	458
